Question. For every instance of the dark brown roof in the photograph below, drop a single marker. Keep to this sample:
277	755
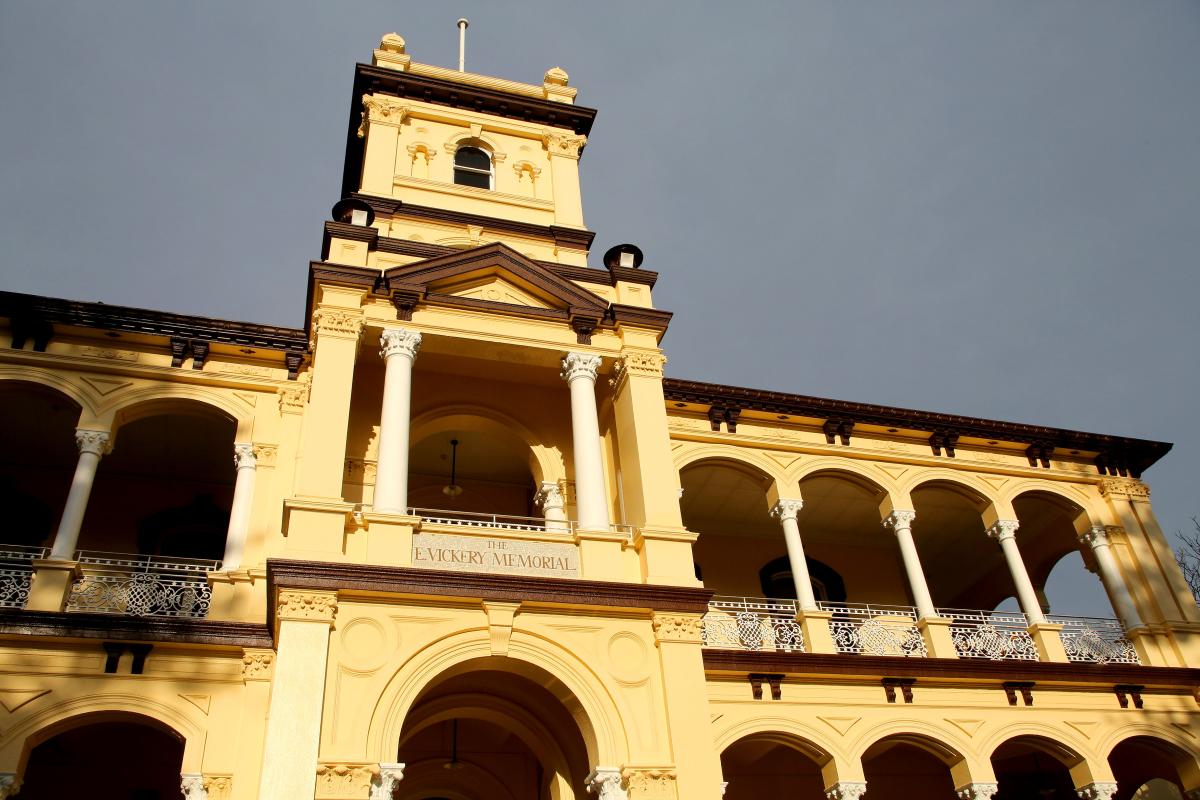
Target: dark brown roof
1118	454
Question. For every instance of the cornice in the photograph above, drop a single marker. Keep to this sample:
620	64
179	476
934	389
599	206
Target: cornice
441	583
951	669
1134	455
21	622
56	311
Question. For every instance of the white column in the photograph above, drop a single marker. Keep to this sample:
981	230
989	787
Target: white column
901	524
1005	532
191	784
550	500
384	784
92	445
243	503
605	783
1110	575
785	511
846	790
398	348
9	785
579	371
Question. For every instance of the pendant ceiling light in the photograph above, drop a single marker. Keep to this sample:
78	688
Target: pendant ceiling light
453	489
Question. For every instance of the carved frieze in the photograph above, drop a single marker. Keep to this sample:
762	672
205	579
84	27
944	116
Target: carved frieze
218	787
293	397
258	665
385	110
337	322
345	780
560	143
1124	489
650	783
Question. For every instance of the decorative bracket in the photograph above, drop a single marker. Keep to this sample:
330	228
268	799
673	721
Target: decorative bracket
775	681
1040	452
1025	688
726	414
890	685
837	428
943	440
1125	692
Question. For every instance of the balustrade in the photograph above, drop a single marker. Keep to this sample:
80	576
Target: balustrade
470	519
1095	640
141	585
752	623
990	635
875	630
16	573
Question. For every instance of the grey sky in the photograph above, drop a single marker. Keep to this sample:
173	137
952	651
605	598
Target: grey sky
981	208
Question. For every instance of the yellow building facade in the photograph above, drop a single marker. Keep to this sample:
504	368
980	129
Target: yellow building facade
459	538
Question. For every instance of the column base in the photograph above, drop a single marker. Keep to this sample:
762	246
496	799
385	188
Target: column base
389	538
602	556
666	556
315	527
936	633
51	584
1047	637
239	594
817	636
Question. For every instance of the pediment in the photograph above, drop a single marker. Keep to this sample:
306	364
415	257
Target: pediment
495	273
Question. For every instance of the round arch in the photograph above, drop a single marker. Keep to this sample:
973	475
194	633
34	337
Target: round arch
480	140
1069	750
749	463
56	382
789	733
595	712
862	475
25	734
965	485
1070	499
938	742
422	780
546	462
1179	751
156	400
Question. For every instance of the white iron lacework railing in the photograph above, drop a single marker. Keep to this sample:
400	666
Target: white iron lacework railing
752	623
995	635
1095	639
474	519
16	573
875	630
142	585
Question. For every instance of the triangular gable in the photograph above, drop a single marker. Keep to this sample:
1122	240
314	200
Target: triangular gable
448	275
492	288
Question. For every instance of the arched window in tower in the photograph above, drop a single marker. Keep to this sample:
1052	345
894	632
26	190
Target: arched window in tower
473	167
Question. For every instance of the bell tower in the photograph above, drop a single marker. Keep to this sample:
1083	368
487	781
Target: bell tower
453	159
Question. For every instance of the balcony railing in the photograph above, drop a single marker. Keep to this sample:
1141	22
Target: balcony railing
141	586
1096	640
752	623
16	573
770	624
472	519
875	630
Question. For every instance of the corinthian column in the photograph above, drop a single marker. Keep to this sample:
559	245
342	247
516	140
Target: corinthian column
1110	575
785	511
1004	531
92	445
901	524
579	371
550	500
399	348
243	500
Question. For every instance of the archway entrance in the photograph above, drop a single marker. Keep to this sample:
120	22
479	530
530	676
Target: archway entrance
904	767
481	730
1151	769
1034	767
117	757
773	765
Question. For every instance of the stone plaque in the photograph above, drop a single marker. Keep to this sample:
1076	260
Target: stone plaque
505	556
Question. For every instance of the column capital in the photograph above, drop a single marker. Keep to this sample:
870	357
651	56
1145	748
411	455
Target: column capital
1100	790
678	628
92	441
306	606
399	341
1095	536
1003	529
383	784
978	791
192	786
846	790
580	365
605	783
9	785
258	664
244	456
550	495
563	144
899	520
786	509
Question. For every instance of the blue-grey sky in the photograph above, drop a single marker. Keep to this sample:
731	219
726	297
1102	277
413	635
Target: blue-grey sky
988	208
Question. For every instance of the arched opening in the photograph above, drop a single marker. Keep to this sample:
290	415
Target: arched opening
1058	564
481	730
37	460
473	167
1147	768
90	756
902	767
964	568
1034	767
166	487
773	765
488	466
